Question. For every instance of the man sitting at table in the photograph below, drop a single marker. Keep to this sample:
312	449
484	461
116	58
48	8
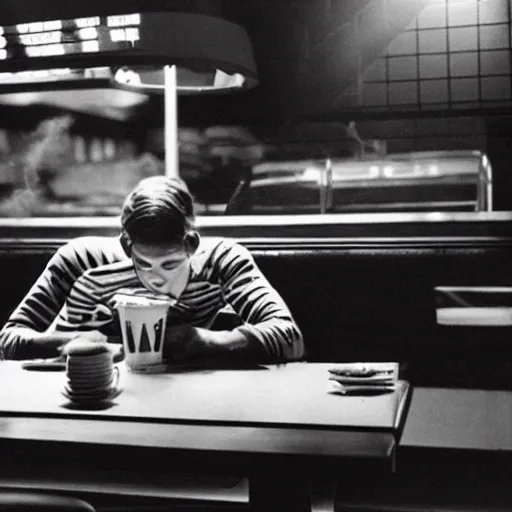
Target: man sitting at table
158	250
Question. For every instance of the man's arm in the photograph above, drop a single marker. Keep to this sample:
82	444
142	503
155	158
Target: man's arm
269	323
25	335
42	345
269	332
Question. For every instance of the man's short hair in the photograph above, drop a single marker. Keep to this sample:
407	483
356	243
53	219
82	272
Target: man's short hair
159	211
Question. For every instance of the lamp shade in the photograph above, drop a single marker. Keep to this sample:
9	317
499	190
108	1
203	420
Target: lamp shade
211	54
127	51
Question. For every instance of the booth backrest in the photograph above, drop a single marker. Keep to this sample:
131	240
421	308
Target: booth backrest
364	303
379	304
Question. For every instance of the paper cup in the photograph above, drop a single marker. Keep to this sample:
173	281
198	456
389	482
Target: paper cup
143	323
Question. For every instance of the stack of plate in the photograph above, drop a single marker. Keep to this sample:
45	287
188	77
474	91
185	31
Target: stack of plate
364	378
90	373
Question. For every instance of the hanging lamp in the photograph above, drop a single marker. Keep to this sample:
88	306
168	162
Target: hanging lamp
127	51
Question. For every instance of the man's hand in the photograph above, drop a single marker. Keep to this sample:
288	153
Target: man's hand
185	342
95	336
56	344
49	344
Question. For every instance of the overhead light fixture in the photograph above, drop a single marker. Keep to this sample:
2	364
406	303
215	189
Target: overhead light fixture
211	54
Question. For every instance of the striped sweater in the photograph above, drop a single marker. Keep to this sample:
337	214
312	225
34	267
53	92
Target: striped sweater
74	291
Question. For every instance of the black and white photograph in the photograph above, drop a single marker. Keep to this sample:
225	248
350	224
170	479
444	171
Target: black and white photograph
255	255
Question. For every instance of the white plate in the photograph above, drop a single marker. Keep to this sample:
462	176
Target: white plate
367	381
348	390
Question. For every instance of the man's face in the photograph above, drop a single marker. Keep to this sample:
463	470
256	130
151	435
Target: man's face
162	269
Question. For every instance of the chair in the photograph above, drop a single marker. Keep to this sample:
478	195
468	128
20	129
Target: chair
21	501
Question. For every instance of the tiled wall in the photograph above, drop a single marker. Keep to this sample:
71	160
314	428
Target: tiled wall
456	54
402	135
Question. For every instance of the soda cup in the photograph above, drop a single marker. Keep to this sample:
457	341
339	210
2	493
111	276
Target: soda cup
143	322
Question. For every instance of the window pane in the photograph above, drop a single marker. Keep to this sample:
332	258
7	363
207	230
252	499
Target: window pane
331	95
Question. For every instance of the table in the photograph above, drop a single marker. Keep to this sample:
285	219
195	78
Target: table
277	422
459	419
